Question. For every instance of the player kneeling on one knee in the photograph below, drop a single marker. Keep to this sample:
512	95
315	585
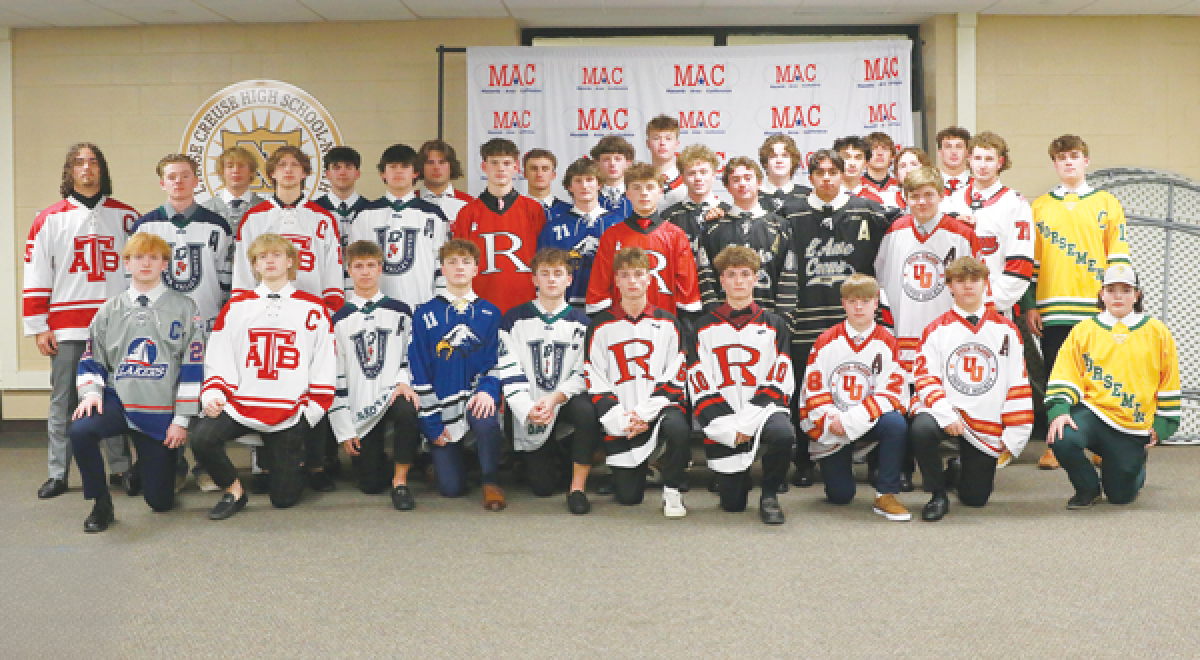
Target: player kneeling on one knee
269	369
540	369
854	396
971	385
635	371
1114	390
140	373
740	373
374	384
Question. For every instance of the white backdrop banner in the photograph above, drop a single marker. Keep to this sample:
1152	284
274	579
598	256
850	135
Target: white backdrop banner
729	98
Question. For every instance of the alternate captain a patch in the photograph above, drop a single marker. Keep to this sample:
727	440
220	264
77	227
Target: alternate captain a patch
461	338
141	361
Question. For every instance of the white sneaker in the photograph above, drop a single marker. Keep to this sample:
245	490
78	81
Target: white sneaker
673	503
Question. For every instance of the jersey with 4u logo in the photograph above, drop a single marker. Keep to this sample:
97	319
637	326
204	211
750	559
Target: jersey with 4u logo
975	374
372	359
505	229
314	233
270	359
201	255
541	352
911	269
410	231
579	234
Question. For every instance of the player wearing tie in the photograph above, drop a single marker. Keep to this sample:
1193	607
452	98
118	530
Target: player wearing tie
952	152
238	170
613	154
541	168
342	201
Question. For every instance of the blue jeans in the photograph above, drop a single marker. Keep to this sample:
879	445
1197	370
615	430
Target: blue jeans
891	431
447	459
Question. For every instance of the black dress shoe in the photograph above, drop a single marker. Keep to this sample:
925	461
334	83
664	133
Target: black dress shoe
52	488
228	506
131	481
101	516
906	485
402	498
605	487
936	508
321	482
115	479
577	503
260	484
805	476
770	511
1083	500
952	473
783	487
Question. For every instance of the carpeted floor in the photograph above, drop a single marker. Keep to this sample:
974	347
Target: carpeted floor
344	575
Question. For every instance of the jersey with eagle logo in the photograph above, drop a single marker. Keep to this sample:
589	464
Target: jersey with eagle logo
540	352
579	234
313	231
634	365
372	359
410	231
1004	225
739	374
976	375
152	357
271	359
856	376
201	265
673	283
452	354
911	270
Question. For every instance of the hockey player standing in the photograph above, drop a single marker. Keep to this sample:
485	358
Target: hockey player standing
662	139
73	265
579	228
854	150
238	169
269	369
342	170
613	155
952	152
541	168
453	351
741	381
635	373
909	159
504	225
540	369
410	230
855	397
437	165
780	158
971	385
700	165
881	152
374	388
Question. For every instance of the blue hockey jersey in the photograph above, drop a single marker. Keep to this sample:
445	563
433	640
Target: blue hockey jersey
578	233
201	265
452	353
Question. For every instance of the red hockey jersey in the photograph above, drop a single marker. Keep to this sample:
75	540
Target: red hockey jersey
73	265
506	232
673	281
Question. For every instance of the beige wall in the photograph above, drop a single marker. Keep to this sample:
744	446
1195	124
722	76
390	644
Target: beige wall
938	64
133	91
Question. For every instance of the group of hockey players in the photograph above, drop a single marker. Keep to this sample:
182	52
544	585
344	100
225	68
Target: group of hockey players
871	316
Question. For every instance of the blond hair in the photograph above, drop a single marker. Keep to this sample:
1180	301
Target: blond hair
736	256
860	287
921	177
698	152
143	243
235	153
272	243
966	268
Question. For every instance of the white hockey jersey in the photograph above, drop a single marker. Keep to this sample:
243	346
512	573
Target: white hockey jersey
976	375
314	233
450	201
73	265
911	270
410	231
201	256
1004	225
271	358
633	365
372	359
858	377
541	352
739	374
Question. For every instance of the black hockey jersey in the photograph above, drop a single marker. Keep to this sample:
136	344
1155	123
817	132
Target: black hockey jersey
762	232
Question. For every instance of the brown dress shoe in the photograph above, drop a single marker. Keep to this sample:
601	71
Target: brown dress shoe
1048	461
1096	460
493	497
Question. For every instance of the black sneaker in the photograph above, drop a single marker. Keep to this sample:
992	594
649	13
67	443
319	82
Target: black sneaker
770	511
321	482
1083	500
402	498
577	503
604	485
228	506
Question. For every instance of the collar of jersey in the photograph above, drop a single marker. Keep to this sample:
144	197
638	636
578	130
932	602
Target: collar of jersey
737	212
549	317
769	188
853	334
1133	320
400	203
1060	191
817	203
170	212
429	194
262	290
365	304
470	297
153	294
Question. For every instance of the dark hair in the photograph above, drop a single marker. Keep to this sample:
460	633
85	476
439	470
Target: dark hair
287	150
613	144
549	256
880	139
458	247
741	161
851	142
1064	143
173	159
499	147
952	132
1137	305
538	153
581	167
447	152
345	155
767	150
399	153
363	250
815	158
642	172
68	176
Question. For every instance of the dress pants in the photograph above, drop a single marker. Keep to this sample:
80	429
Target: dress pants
375	474
1123	471
447	459
156	461
629	484
778	439
283	450
63	401
978	474
542	464
837	469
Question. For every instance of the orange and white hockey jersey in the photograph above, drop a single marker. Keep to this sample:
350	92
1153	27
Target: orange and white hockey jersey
976	375
911	270
855	375
1004	225
313	231
73	265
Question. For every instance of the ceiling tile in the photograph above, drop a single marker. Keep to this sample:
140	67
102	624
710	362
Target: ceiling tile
1051	7
68	13
457	8
261	11
15	19
1187	9
1112	7
156	11
360	10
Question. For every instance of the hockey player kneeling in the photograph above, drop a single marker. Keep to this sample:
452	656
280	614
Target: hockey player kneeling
634	366
741	380
971	384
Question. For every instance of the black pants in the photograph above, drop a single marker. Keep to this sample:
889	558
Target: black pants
778	438
375	473
799	363
1053	337
283	451
629	484
156	462
542	464
978	474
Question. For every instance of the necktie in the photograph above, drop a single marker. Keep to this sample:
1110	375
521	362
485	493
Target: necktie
179	219
343	209
236	204
273	295
973	318
143	300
